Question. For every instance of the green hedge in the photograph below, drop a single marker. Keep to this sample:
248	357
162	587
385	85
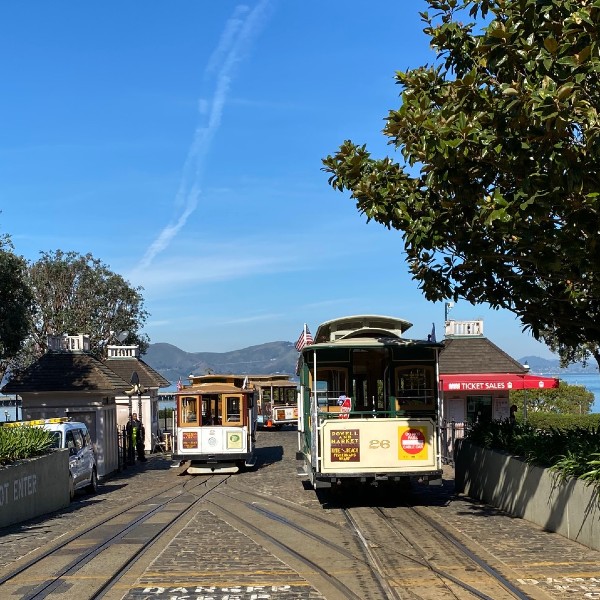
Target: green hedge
17	443
567	447
541	420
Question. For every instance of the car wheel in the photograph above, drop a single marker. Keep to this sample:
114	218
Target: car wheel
71	488
92	488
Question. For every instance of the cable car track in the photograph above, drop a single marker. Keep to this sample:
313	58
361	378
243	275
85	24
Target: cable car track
418	554
418	560
54	570
60	540
287	504
323	573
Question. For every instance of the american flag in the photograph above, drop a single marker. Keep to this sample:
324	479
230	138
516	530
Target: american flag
179	385
305	339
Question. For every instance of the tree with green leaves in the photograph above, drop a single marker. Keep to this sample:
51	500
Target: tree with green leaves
565	399
16	304
496	189
79	294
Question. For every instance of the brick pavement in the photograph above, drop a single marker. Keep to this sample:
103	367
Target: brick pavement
549	565
210	559
120	489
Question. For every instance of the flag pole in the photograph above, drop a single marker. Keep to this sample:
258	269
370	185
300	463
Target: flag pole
316	404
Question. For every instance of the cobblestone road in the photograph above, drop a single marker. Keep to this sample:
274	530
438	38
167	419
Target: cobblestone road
209	558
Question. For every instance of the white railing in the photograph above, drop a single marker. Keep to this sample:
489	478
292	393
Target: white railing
69	343
123	351
464	328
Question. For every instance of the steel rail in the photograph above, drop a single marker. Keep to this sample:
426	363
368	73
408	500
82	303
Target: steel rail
51	584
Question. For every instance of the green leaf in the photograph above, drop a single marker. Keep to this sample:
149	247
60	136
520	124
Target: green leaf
550	44
565	91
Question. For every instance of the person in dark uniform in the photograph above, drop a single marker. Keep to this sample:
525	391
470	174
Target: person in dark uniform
136	437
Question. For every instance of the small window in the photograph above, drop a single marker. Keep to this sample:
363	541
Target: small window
414	388
78	439
234	409
70	442
189	410
331	384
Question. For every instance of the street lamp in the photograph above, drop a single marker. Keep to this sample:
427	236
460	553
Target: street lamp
447	307
139	395
138	390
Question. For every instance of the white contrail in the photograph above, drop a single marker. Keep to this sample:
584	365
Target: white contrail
234	40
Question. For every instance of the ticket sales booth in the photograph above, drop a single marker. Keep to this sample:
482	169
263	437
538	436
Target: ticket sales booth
476	378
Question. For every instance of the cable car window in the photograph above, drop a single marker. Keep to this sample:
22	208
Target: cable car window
211	410
331	384
234	414
189	410
414	387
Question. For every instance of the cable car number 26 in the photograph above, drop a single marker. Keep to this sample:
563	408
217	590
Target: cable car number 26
379	444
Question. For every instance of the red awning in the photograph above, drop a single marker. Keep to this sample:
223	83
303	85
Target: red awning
481	382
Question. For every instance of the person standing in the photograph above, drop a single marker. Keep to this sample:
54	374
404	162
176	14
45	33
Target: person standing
136	437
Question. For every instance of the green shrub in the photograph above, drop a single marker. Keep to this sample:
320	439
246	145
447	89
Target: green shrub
568	448
165	413
544	420
21	442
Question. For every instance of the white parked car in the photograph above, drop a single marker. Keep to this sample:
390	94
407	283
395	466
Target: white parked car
83	471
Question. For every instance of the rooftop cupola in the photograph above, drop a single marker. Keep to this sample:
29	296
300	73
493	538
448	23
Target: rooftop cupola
69	343
123	351
464	328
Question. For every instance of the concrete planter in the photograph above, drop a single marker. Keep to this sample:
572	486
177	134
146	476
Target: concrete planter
571	508
34	487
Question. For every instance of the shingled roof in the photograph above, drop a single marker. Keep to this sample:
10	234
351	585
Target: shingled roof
476	355
148	377
66	372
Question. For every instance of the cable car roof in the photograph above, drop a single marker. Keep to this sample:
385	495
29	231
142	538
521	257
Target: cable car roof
361	326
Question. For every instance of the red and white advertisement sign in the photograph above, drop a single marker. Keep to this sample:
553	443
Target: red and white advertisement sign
345	406
412	441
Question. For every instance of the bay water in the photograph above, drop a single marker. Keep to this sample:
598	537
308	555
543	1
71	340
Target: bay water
590	381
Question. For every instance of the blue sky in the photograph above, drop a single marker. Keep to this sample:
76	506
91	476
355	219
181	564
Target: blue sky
181	144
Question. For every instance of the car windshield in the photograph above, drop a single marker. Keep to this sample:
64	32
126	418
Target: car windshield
56	439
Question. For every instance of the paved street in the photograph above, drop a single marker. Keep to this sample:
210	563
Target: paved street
208	557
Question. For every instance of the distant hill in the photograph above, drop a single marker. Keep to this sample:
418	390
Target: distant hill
174	364
277	357
543	365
